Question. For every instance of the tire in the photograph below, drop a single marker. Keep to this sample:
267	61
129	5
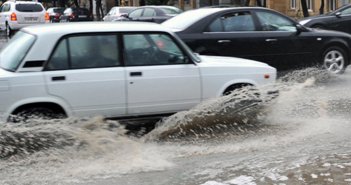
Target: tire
237	87
334	60
9	31
35	113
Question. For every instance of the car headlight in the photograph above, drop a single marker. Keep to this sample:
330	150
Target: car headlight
303	22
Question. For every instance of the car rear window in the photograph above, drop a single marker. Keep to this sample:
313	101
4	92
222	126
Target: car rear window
29	7
82	11
13	53
58	10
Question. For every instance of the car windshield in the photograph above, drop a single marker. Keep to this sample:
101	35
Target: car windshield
184	20
29	7
14	52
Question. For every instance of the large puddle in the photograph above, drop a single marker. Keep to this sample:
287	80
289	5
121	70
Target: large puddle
311	104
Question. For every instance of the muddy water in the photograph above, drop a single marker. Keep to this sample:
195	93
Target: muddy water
300	137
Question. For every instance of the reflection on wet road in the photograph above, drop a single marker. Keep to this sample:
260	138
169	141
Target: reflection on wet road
300	137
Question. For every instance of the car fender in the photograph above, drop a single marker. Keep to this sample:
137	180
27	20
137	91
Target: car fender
65	106
233	82
339	42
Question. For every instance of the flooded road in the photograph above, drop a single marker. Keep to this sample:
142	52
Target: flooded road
300	137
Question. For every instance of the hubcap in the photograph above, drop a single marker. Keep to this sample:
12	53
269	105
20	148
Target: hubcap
334	61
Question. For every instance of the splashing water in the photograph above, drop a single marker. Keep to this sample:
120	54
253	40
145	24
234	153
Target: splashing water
80	150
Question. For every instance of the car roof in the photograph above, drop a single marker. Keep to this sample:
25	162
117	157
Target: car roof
187	18
81	27
23	2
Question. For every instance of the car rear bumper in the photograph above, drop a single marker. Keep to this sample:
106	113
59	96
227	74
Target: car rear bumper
17	26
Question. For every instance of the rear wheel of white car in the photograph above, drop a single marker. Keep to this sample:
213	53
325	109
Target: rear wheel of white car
335	60
35	113
236	87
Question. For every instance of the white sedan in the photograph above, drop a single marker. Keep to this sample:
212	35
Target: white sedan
117	69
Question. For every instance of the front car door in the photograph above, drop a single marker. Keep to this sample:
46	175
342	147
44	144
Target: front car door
342	21
285	48
161	78
86	72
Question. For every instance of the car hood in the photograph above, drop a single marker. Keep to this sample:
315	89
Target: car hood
229	61
330	33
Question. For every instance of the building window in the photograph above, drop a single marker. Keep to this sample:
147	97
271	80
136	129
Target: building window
293	4
309	4
332	5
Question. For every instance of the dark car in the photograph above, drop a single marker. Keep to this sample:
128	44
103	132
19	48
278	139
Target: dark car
117	12
261	34
157	14
76	14
55	13
339	20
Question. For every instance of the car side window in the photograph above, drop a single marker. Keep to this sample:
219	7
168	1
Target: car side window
148	12
232	22
346	11
136	13
59	59
152	49
86	51
274	22
5	8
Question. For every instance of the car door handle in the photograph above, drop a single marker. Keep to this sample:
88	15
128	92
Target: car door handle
135	73
271	40
224	41
58	78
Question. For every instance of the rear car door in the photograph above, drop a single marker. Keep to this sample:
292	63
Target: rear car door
86	72
160	76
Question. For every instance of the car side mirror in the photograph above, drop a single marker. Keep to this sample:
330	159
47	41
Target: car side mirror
338	14
300	28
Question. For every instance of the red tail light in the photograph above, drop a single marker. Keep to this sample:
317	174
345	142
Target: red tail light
72	16
47	17
13	17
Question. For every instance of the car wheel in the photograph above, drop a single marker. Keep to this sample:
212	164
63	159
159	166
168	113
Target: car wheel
237	87
9	31
335	60
35	113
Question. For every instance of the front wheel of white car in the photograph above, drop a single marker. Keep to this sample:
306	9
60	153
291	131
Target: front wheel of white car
335	60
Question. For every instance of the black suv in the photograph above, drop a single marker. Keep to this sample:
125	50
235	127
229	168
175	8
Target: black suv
76	14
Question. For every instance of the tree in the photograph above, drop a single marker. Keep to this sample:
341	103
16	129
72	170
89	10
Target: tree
91	7
321	9
304	8
99	11
76	3
258	3
62	3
